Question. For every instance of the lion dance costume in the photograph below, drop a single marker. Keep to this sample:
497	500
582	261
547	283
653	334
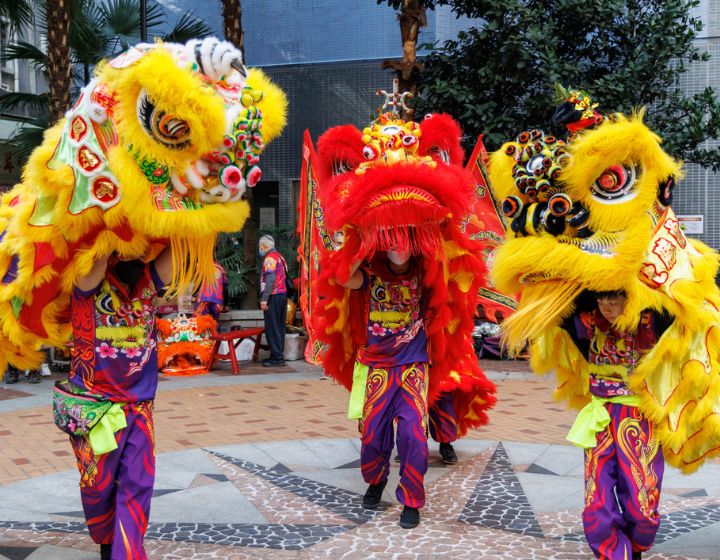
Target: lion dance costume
401	186
594	215
159	149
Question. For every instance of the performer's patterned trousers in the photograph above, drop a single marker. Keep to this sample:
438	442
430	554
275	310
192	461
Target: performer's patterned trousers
442	420
209	308
396	393
116	487
623	476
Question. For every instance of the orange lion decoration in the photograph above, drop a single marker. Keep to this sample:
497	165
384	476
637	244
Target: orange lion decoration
185	344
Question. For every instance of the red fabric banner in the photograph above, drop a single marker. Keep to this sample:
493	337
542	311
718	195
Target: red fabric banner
313	238
486	224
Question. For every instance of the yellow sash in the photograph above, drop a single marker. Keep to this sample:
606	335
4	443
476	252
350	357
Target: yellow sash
359	388
102	435
594	418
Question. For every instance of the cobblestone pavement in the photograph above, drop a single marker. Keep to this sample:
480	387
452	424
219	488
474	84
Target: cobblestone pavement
266	466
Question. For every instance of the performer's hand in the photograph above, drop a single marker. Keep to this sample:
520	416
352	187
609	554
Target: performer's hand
355	280
93	278
264	305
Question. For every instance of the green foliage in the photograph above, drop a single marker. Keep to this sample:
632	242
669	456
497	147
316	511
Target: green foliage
120	22
470	8
17	12
396	4
27	137
34	103
186	28
229	253
22	50
97	30
498	77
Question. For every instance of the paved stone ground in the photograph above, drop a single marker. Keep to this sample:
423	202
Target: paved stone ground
265	465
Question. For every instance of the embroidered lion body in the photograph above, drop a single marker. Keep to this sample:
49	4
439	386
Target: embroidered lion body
402	185
603	222
159	148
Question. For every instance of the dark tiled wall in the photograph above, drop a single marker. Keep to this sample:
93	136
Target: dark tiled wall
321	96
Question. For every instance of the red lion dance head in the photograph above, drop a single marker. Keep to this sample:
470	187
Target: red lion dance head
401	185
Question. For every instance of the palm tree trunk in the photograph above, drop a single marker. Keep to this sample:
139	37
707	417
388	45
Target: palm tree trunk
249	237
232	26
59	77
232	23
412	17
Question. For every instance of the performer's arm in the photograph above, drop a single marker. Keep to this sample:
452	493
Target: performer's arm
93	278
356	279
578	326
662	322
163	266
652	326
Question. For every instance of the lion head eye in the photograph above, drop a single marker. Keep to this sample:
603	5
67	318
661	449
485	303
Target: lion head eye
168	130
615	183
409	140
535	165
370	152
437	153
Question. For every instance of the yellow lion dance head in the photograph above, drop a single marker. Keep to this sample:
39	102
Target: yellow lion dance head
595	215
159	148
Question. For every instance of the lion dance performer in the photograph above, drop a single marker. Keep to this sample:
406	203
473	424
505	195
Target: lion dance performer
619	304
157	152
398	192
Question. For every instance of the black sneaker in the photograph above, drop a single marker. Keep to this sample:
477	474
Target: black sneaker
105	550
636	555
34	377
273	363
410	517
373	495
447	452
11	376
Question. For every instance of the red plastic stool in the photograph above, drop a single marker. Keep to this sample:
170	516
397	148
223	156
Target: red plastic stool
234	338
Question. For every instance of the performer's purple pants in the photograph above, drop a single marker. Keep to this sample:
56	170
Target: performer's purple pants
442	420
116	487
396	393
628	463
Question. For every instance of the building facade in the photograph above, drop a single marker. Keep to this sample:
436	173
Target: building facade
698	195
16	76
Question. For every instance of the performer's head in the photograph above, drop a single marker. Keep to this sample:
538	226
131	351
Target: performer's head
128	270
266	244
399	257
611	304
